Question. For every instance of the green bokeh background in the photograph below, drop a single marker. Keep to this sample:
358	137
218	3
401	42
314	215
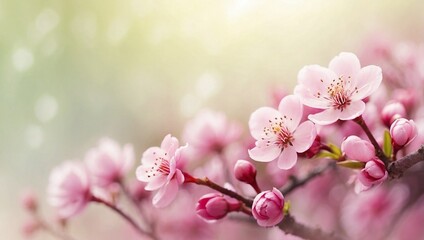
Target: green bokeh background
77	70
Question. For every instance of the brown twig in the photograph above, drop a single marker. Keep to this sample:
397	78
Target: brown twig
296	182
124	216
378	151
290	226
398	167
207	182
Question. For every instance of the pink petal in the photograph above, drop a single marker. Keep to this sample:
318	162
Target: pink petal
325	117
141	173
355	109
155	183
150	155
304	136
166	194
291	107
260	119
288	158
367	81
314	79
169	144
345	64
265	154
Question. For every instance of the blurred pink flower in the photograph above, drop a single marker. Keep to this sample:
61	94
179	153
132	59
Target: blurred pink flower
368	216
159	170
278	133
356	148
30	227
108	163
338	89
210	132
402	131
69	189
268	207
214	206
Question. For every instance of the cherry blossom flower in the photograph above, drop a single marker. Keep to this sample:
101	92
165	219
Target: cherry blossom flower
69	189
210	132
278	133
358	149
159	170
338	89
403	132
374	173
109	163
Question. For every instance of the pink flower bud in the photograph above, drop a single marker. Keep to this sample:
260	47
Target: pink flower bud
29	201
391	112
374	173
214	206
69	189
268	207
244	171
402	131
356	148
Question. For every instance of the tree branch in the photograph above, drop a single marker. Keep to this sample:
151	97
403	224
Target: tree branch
398	167
290	226
296	182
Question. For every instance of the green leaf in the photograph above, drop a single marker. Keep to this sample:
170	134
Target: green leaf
351	164
336	150
325	154
387	146
286	207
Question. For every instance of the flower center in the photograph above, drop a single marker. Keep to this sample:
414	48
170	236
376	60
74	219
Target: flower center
161	167
283	136
339	93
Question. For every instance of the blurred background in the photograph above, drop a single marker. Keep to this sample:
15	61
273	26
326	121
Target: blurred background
134	70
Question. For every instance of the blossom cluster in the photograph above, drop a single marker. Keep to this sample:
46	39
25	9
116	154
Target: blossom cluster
343	117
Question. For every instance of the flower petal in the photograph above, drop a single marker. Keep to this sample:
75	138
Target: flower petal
265	153
367	81
312	80
288	158
166	194
355	109
345	64
155	183
291	107
304	136
325	117
170	144
260	119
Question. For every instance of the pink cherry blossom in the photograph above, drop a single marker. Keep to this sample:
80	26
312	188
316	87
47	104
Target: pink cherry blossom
356	148
214	206
374	173
29	201
108	163
392	111
338	89
159	170
267	208
210	132
69	189
278	133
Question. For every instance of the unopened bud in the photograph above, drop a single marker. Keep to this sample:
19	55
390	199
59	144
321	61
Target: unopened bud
402	131
391	112
244	171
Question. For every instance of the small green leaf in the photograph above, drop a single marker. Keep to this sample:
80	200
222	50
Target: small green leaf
351	164
286	207
336	150
387	146
325	154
